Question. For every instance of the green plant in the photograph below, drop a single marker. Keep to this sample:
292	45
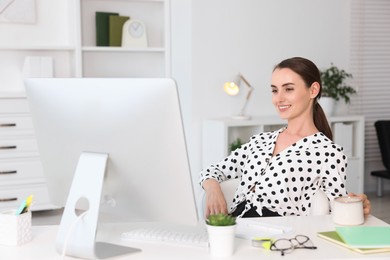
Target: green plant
235	144
334	85
221	220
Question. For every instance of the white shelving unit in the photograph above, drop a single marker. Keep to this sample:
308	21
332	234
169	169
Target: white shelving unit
218	134
75	53
69	38
153	61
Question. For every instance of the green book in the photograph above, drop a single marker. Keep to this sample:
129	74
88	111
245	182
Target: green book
102	28
115	29
334	237
365	236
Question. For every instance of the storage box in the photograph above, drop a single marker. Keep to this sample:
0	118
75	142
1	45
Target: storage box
15	230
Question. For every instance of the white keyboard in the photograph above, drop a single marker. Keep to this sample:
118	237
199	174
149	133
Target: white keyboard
190	237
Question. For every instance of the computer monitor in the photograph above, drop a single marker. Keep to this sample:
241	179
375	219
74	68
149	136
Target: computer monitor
136	123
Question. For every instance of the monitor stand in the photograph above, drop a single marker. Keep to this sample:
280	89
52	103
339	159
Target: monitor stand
77	232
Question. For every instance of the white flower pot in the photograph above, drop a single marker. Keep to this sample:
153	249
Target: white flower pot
221	240
328	104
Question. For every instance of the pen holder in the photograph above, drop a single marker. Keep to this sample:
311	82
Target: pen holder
15	230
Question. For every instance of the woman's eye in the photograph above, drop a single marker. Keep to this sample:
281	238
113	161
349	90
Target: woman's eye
274	91
289	89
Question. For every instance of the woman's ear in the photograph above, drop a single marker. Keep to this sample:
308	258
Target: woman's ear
314	89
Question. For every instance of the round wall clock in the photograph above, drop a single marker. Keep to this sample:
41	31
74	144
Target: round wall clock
134	34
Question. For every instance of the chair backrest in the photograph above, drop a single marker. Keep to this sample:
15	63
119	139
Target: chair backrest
383	133
319	204
228	188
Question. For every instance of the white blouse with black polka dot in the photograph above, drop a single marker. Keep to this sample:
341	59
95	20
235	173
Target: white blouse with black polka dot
284	183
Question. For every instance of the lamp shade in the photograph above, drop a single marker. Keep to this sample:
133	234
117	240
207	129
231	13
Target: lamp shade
231	88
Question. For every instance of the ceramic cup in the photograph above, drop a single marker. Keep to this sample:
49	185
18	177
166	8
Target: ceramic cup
348	211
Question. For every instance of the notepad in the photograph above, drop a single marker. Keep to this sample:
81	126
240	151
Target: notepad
334	237
249	229
365	236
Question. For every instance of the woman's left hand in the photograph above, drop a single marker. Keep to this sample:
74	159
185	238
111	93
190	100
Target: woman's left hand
366	202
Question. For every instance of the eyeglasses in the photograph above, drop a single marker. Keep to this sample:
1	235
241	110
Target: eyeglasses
285	245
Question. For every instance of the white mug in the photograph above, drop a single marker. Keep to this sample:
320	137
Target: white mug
348	211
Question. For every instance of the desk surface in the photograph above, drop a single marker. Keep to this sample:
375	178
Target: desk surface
43	244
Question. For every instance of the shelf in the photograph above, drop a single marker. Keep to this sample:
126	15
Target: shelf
120	49
37	48
98	61
79	57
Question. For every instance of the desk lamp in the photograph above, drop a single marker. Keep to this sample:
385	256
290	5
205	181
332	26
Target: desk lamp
232	88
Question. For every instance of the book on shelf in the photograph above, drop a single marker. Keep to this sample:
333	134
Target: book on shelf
334	237
102	27
115	29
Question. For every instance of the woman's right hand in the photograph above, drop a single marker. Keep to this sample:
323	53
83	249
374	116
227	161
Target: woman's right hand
215	201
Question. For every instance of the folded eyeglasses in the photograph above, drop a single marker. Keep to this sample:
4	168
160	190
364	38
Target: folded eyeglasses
285	245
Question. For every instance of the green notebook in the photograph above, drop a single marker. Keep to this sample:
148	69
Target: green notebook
334	237
115	29
102	28
365	236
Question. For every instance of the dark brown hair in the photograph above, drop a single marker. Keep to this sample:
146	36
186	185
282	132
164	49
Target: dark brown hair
310	74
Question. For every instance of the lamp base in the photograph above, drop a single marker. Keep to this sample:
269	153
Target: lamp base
241	117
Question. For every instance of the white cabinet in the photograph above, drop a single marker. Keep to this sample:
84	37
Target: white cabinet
21	171
69	39
218	134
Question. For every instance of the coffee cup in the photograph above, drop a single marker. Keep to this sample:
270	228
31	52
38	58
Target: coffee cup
348	211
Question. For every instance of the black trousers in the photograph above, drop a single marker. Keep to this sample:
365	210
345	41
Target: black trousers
252	213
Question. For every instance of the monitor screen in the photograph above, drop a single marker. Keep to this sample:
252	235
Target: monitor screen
137	122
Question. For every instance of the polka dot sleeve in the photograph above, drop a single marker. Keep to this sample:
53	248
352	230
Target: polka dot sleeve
229	168
334	173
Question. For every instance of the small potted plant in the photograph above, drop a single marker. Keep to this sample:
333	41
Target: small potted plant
221	231
335	87
235	145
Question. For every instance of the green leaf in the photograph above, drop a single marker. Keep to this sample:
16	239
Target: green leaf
334	84
221	220
235	145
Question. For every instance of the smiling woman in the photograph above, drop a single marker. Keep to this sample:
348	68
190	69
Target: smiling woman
299	83
281	171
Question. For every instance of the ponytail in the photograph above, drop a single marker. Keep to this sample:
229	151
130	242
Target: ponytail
320	120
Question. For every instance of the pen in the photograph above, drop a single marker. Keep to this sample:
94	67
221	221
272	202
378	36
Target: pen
28	203
24	206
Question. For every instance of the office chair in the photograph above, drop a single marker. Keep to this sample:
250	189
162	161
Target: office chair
383	133
320	202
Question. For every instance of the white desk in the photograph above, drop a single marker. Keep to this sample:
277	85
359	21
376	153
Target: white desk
42	246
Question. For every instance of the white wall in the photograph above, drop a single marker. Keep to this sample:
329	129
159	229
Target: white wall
247	36
54	27
52	20
213	40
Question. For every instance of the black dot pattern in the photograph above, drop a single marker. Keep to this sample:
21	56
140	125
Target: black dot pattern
284	183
